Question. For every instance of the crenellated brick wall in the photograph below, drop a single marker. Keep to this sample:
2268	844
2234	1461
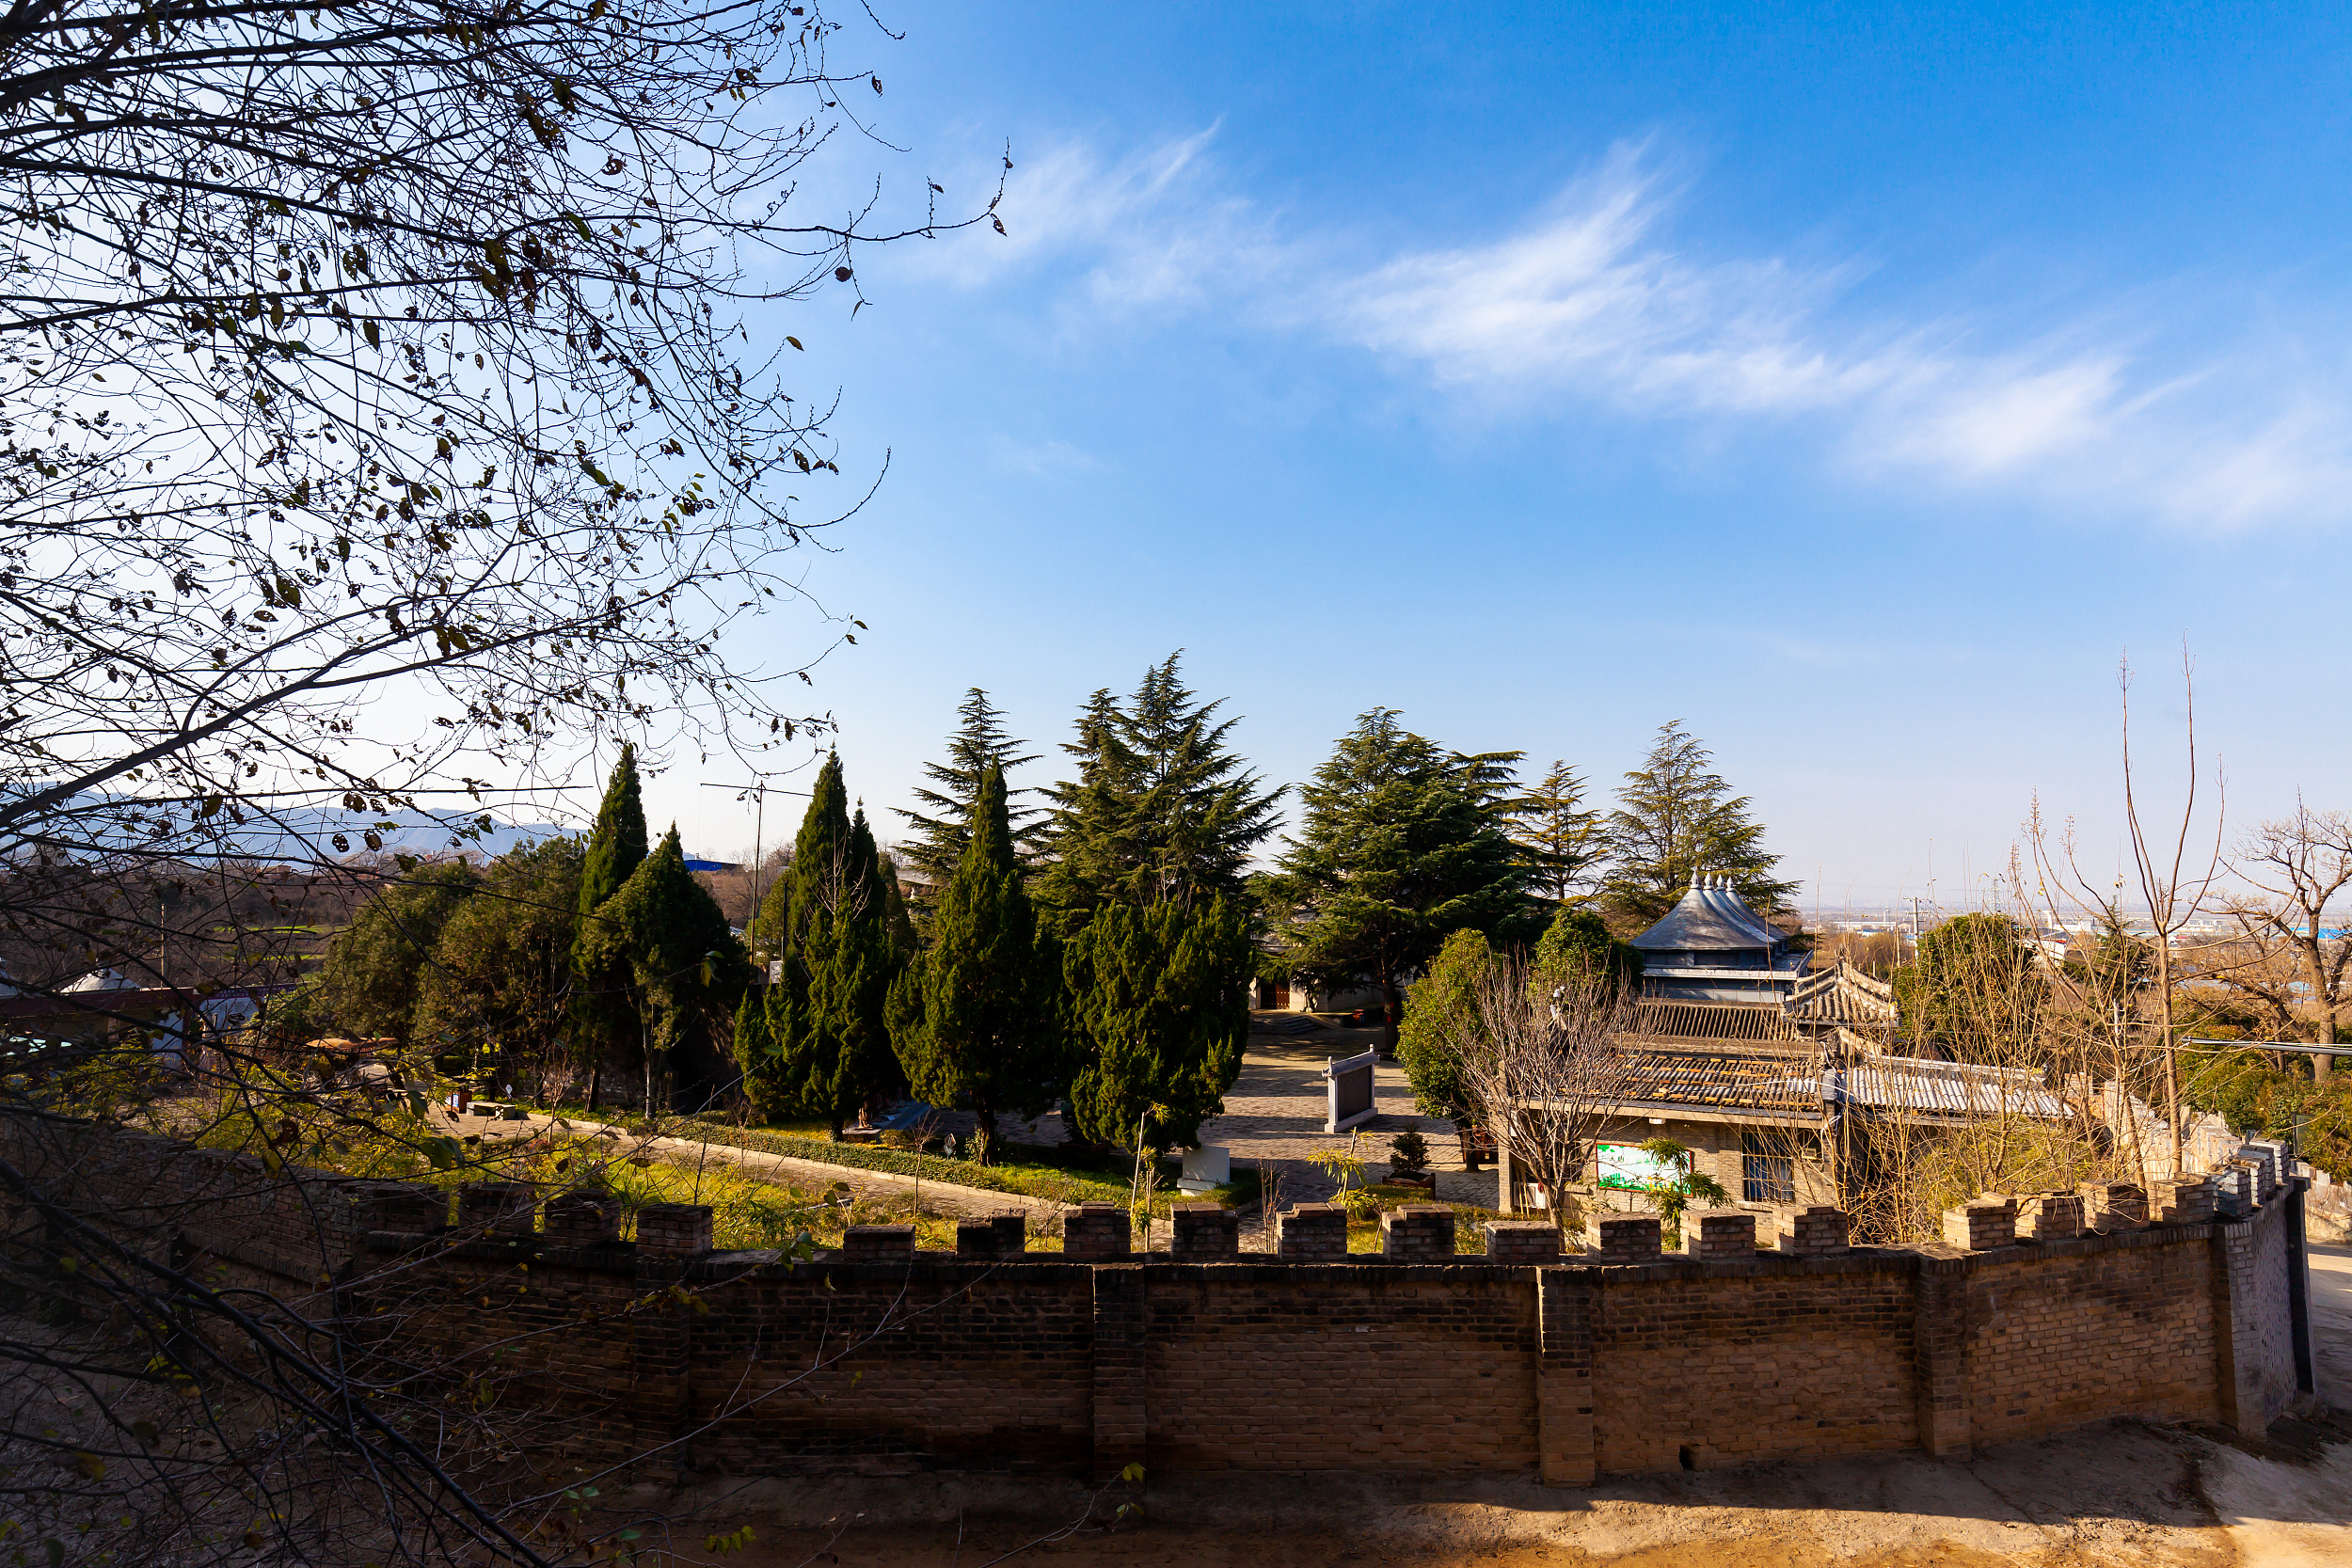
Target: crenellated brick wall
884	1358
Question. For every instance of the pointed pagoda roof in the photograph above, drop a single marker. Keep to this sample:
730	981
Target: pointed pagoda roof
1710	918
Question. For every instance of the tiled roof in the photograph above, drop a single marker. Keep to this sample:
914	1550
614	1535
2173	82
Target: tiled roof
1712	1020
1842	994
1734	1080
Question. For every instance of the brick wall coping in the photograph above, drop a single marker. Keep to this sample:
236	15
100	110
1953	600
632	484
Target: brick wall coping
1934	1257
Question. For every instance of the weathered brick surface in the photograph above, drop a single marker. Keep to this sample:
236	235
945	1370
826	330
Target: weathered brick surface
2113	1205
1312	1233
1095	1233
1727	1234
1624	1238
878	1243
1522	1242
937	1364
679	1228
2189	1200
1204	1233
1417	1233
496	1208
1810	1230
1741	1361
923	1360
2118	1325
1341	1367
582	1219
993	1235
2050	1217
1981	1224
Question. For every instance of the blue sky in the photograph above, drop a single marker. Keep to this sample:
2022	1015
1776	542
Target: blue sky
1856	385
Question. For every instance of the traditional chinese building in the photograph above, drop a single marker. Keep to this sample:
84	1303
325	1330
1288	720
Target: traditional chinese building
1711	947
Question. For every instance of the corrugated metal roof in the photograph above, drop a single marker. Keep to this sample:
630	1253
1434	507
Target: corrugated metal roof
1946	1088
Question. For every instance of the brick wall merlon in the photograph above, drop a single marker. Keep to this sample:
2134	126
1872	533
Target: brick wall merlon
1096	1234
1203	1232
496	1208
1625	1238
1526	1242
1811	1229
878	1243
1313	1232
1982	1224
1418	1233
2049	1217
681	1230
409	1208
1001	1235
582	1219
2181	1200
2113	1205
1709	1233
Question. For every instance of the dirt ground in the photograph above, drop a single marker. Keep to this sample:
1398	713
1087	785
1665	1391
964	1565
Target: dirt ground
2123	1494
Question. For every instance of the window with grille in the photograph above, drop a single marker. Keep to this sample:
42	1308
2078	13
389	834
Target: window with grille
1768	1173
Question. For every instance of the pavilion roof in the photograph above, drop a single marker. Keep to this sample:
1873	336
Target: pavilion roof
1709	918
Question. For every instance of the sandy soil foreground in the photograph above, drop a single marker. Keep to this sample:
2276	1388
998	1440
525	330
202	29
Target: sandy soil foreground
2121	1493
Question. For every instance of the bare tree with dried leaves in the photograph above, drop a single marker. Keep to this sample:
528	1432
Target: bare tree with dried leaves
1541	1062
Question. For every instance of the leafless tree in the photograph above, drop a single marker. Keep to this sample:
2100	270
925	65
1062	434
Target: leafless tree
382	347
2282	958
1542	1064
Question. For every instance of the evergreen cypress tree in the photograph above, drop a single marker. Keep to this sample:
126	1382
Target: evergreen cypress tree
940	833
1155	1007
682	966
1673	817
974	1018
602	1019
1162	809
821	1048
1403	844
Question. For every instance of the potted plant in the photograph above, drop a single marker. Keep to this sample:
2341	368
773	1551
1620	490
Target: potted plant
1408	1162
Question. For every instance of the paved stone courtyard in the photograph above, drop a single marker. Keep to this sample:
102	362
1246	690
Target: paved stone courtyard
1274	1113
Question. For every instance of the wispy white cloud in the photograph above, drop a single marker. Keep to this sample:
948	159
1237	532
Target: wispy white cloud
1592	303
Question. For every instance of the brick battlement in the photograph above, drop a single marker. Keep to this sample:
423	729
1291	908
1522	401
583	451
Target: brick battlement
1617	1361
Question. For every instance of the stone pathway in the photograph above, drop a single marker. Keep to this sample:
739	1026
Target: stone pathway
1274	1113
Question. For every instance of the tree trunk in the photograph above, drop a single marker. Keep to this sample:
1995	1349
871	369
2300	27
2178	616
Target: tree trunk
1388	1011
595	1078
2324	1033
986	1154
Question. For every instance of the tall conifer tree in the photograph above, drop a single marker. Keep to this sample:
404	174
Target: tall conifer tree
603	1018
974	1019
683	969
1559	837
943	825
1675	816
1159	1018
820	1047
1403	844
1162	809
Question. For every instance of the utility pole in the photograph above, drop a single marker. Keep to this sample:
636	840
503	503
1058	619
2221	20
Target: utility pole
760	790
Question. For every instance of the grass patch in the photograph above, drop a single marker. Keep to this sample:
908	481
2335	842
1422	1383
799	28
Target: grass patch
1023	1169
